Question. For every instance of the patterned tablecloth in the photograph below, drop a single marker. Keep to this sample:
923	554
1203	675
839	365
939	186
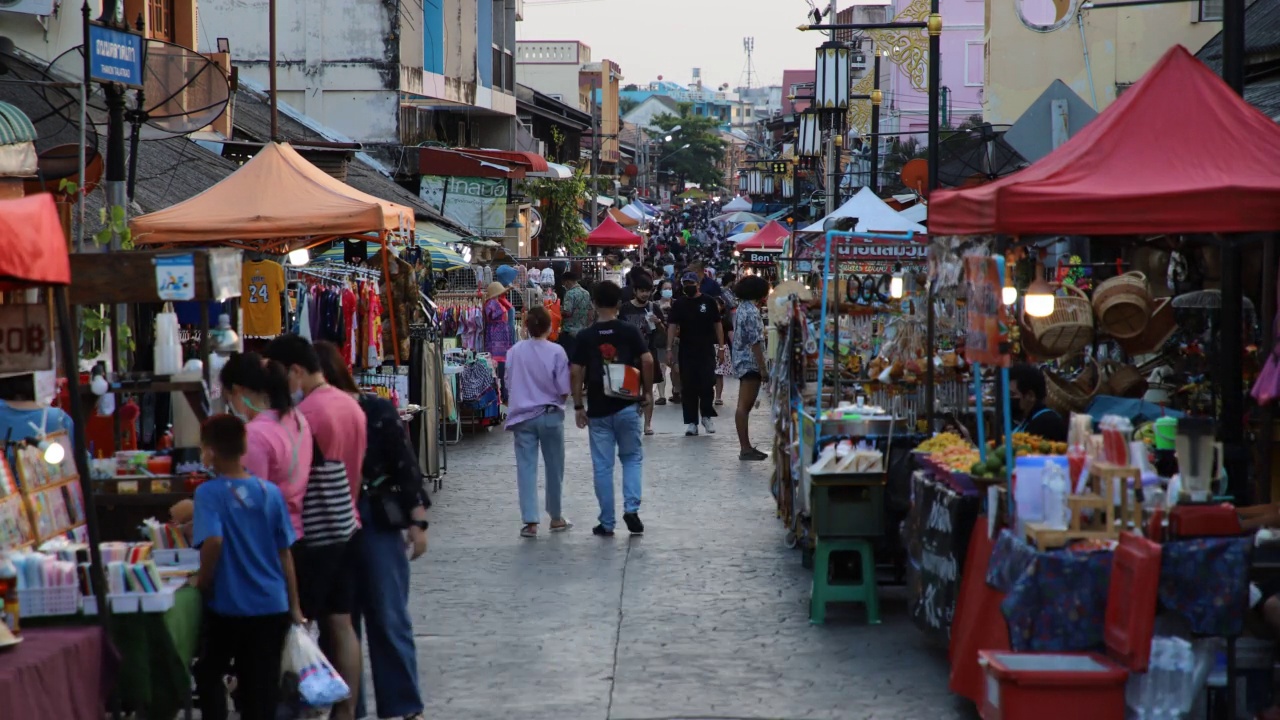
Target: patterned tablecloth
1057	600
61	673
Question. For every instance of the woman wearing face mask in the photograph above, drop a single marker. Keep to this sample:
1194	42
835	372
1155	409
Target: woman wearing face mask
277	439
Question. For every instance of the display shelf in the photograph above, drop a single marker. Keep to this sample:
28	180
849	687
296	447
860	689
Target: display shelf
194	391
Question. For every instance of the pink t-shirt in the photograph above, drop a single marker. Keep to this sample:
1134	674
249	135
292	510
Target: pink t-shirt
338	425
280	453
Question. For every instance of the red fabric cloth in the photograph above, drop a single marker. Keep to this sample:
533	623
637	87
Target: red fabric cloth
1166	157
349	329
978	623
34	252
57	674
769	237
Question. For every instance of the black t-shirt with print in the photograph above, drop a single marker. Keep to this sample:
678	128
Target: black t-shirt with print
697	318
636	315
619	340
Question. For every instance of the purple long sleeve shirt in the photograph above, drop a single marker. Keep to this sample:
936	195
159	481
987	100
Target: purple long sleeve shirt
537	376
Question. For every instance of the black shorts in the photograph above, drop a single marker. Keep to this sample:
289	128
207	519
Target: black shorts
326	578
751	375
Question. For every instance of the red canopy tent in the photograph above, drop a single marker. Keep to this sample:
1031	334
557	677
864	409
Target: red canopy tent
611	234
1179	152
769	237
33	250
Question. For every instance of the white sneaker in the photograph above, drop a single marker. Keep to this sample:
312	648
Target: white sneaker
710	426
691	429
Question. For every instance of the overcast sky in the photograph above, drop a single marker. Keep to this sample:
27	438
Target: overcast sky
671	37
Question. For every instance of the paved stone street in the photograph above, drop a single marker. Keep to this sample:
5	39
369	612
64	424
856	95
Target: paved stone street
705	616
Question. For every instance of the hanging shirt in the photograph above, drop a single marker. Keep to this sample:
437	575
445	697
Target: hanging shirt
261	297
349	321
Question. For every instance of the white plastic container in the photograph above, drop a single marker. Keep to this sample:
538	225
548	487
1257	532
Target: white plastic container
1054	482
1028	489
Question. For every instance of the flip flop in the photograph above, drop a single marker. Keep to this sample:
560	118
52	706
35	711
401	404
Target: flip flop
561	528
648	431
529	531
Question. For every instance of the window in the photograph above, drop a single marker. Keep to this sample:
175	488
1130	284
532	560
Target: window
1210	11
160	19
974	57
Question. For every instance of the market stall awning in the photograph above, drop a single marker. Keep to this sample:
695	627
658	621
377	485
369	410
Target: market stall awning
555	171
738	203
622	218
1178	152
463	163
770	237
633	212
611	234
33	250
277	200
532	162
918	213
873	214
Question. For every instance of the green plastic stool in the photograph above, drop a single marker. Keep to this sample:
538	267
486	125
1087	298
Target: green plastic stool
825	591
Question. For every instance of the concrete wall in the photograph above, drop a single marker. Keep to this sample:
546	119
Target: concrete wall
337	60
551	67
1123	44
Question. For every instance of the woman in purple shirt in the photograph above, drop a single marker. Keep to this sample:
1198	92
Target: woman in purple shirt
538	382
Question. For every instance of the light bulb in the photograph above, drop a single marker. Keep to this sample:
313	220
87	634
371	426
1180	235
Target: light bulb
1009	295
54	453
895	286
1038	304
299	257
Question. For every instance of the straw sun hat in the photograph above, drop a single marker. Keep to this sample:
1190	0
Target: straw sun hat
493	290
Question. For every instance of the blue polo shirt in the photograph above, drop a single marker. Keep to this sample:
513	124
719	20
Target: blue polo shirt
250	517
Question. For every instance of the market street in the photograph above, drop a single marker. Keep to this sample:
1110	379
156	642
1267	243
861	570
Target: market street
706	616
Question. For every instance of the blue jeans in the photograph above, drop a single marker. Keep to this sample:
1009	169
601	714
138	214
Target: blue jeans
382	600
546	431
621	431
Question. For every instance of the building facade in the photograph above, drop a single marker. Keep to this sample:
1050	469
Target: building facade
552	67
1030	44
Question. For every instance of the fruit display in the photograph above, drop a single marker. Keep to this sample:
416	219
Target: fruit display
942	441
956	459
1023	444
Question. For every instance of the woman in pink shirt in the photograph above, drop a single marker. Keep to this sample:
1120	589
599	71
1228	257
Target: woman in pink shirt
278	440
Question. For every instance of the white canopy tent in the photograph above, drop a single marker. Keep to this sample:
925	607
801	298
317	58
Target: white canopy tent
634	213
738	203
917	213
873	215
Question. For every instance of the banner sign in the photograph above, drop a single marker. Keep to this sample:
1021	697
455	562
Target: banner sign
759	257
863	249
478	204
115	56
938	525
987	337
25	343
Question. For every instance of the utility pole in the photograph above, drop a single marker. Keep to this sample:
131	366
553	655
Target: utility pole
271	71
934	27
876	98
1236	461
114	172
595	164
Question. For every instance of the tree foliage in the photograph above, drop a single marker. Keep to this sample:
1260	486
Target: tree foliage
699	162
558	204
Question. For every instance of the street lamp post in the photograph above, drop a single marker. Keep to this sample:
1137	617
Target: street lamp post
877	97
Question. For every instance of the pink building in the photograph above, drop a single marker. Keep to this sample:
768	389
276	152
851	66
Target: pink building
800	84
906	107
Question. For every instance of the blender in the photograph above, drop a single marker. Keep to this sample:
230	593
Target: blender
1199	455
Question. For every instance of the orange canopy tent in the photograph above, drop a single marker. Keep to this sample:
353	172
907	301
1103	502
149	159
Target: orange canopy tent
769	237
276	202
622	218
611	234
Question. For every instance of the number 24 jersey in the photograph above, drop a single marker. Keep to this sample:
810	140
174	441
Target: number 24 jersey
262	290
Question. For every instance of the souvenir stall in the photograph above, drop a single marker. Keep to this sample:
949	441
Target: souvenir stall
759	253
1125	539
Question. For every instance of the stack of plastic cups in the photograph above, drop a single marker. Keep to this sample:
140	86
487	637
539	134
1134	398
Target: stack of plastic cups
168	348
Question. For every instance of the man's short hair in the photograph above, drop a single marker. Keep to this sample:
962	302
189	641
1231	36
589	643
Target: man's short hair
1029	379
606	294
224	435
569	276
290	350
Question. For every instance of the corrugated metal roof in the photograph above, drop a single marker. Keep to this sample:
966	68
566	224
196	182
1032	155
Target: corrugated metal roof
1261	34
15	126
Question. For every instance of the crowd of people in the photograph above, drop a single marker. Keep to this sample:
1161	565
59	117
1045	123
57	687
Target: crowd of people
675	316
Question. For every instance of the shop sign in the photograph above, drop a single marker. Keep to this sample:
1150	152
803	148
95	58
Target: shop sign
846	249
939	523
115	56
478	204
987	337
25	342
759	257
176	277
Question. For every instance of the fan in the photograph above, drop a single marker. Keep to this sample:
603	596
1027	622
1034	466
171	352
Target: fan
977	156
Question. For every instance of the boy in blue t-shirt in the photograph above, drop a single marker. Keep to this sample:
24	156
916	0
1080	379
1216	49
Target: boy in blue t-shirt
246	574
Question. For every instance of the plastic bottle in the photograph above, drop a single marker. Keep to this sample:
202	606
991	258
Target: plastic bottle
1055	496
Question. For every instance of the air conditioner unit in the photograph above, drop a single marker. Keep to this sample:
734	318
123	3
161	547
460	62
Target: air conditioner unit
27	7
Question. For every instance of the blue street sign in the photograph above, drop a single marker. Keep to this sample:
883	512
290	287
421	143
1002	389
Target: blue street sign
115	56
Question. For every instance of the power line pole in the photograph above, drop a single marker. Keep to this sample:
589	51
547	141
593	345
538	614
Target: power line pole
833	159
595	165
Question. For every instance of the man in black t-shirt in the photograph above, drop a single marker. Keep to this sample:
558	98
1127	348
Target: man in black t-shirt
615	421
640	311
695	322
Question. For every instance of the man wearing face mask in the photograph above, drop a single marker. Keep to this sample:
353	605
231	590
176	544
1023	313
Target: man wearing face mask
695	323
644	314
1026	402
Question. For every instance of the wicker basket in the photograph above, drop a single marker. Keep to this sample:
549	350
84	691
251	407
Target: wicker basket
1124	381
1065	396
1068	329
1156	334
1123	305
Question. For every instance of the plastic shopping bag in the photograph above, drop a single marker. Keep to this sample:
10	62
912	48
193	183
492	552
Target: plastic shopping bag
319	685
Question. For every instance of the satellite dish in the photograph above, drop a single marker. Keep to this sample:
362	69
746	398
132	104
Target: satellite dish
62	162
535	222
183	91
977	156
1046	15
915	175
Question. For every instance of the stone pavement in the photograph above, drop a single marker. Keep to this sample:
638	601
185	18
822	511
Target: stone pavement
704	617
